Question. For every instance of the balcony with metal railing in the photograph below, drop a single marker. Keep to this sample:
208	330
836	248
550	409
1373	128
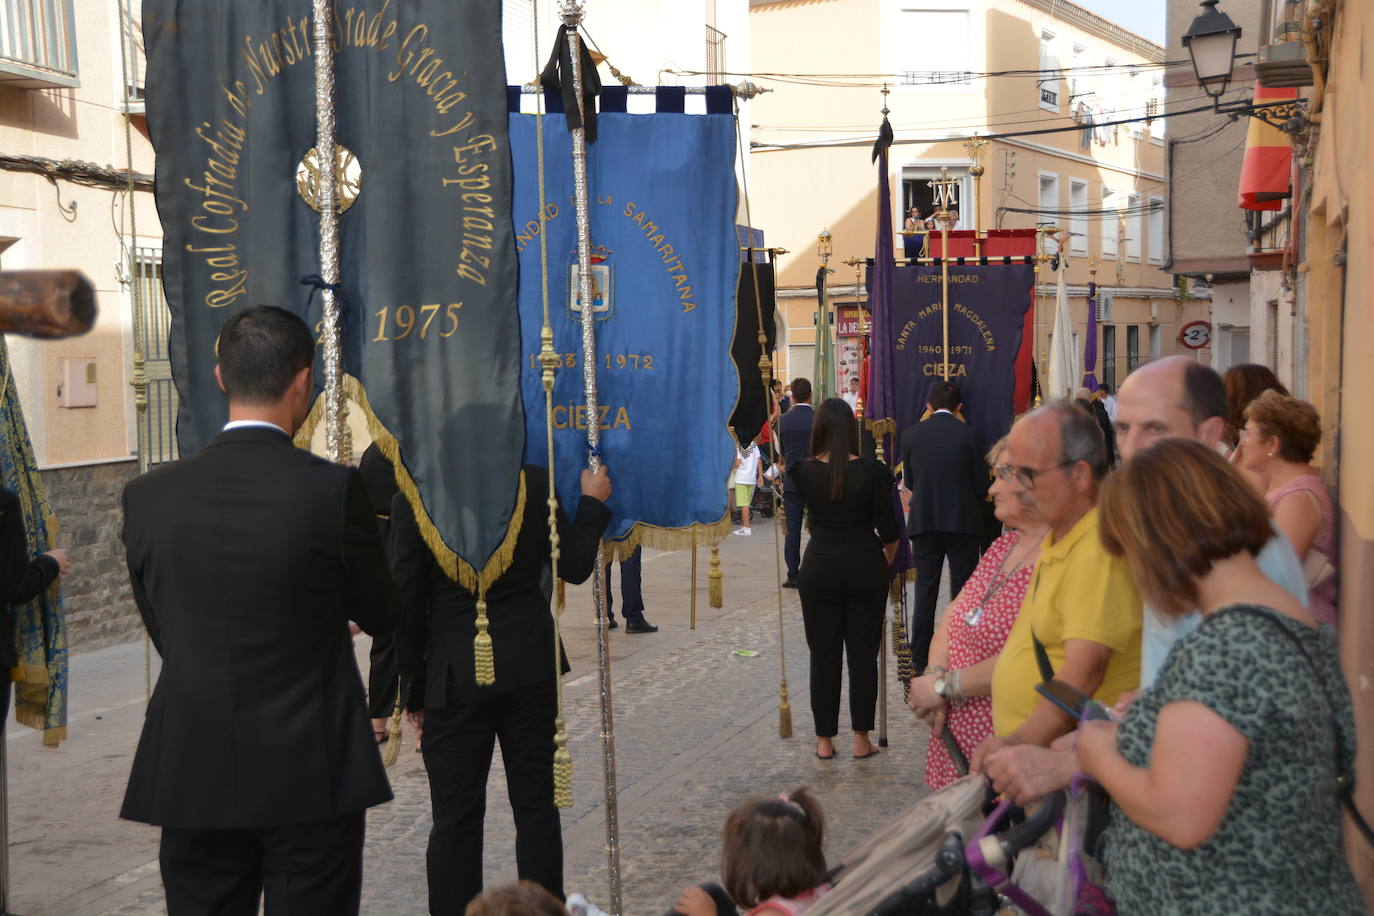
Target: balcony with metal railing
1282	61
38	44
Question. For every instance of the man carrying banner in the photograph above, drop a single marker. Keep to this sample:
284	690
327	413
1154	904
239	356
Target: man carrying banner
248	559
944	468
460	721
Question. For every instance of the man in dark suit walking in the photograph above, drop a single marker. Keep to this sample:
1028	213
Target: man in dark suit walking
794	441
248	559
944	468
461	721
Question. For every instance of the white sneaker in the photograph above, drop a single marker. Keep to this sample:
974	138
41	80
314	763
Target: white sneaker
744	532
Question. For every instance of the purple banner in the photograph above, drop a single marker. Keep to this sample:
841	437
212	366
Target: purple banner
1090	342
882	386
987	308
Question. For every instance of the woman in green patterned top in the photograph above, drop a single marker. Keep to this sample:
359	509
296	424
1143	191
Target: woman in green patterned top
1223	775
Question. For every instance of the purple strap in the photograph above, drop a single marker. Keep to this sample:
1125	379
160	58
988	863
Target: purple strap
994	878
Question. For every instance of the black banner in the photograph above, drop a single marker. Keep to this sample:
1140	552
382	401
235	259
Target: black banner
427	258
753	297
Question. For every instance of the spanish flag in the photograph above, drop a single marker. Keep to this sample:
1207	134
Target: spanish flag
1264	173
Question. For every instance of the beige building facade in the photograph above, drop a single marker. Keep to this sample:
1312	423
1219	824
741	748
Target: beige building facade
75	113
1335	286
1102	184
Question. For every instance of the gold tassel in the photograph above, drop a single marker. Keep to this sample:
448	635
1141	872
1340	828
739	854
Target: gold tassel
900	646
393	741
784	712
562	767
714	576
481	645
561	595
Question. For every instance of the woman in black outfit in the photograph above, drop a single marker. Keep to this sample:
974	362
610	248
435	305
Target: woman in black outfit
844	573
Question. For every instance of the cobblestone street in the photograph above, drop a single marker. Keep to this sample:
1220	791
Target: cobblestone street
696	730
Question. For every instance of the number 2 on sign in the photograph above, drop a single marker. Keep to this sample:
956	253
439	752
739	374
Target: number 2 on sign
402	321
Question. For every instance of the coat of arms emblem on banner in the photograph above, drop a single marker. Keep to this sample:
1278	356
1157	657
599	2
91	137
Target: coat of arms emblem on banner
603	286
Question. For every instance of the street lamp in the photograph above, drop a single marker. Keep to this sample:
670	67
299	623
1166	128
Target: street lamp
1211	43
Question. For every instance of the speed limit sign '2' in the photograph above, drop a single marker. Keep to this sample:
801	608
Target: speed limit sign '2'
1195	335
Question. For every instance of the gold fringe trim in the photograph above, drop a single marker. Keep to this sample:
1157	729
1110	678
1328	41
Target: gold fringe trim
651	536
454	566
881	427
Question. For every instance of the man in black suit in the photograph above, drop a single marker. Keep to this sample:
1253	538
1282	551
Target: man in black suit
460	721
248	560
794	440
944	468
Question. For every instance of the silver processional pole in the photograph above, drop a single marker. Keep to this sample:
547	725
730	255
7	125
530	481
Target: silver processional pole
572	18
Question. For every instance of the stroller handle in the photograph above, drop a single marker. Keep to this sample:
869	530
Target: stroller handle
1033	827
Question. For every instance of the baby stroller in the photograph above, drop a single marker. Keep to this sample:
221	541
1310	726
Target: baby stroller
920	864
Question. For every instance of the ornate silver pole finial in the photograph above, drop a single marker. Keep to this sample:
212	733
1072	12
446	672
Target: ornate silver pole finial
571	12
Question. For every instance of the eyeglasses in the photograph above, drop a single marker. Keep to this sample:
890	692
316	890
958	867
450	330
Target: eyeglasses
1026	476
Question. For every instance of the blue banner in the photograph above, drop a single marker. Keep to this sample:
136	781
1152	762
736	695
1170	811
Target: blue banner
666	261
987	308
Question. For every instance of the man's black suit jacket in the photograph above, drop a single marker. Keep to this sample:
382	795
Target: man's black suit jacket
247	560
23	577
794	439
944	469
434	642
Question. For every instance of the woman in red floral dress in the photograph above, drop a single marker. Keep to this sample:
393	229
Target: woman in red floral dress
954	691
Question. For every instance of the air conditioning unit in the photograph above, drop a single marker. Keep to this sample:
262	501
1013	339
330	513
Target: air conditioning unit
1104	305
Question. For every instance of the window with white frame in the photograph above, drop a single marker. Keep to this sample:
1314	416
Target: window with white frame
1135	227
1109	93
938	42
38	43
1078	83
1049	203
1156	248
1078	220
1048	81
1111	223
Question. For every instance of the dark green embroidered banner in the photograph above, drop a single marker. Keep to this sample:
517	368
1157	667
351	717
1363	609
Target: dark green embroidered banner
431	331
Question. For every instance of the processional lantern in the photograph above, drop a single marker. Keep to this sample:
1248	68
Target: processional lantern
946	190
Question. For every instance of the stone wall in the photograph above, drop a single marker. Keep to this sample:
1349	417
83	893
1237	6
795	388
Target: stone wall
98	602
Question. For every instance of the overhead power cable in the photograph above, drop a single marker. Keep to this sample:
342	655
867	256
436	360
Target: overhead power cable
868	141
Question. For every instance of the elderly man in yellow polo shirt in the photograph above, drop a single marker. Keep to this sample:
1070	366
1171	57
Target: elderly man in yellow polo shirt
1082	604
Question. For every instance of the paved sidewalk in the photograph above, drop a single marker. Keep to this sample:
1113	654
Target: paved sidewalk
696	730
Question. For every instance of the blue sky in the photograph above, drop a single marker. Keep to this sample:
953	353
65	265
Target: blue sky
1144	17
